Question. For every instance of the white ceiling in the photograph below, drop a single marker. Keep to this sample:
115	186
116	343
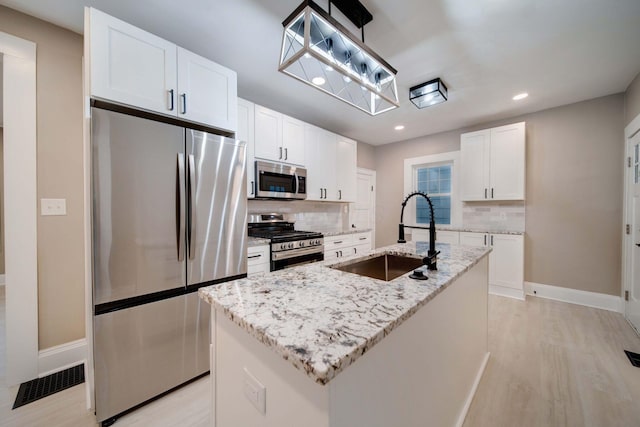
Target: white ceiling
485	51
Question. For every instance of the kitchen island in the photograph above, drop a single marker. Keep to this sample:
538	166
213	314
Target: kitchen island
333	348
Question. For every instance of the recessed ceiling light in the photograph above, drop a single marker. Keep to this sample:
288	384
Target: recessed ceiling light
399	127
318	81
520	96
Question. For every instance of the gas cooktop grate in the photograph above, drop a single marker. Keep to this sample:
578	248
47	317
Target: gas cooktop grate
42	387
634	358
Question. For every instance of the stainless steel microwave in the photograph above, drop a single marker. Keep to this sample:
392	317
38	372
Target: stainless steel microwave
280	181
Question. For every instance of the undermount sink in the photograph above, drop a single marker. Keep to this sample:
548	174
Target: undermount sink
383	267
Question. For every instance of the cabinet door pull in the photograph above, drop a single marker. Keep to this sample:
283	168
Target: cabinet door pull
184	103
254	256
286	153
355	250
325	193
339	194
340	253
337	242
363	238
280	156
485	240
337	254
492	193
171	100
252	188
485	193
492	240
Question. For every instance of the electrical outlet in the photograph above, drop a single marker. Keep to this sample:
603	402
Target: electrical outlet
254	391
53	207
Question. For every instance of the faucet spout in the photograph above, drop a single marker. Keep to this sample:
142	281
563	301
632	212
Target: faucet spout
432	256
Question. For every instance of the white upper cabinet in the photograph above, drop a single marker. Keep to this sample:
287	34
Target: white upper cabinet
279	138
346	169
320	152
206	91
246	133
133	67
493	164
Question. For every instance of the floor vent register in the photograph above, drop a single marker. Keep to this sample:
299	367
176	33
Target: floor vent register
634	358
42	387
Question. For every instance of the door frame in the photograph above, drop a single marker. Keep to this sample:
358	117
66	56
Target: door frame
21	205
627	239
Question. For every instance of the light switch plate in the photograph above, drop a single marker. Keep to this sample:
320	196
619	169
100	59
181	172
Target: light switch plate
53	207
254	391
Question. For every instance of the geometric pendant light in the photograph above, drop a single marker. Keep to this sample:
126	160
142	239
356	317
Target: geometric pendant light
319	51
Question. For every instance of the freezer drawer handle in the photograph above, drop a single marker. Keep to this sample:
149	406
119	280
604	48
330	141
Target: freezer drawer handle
192	214
254	256
181	207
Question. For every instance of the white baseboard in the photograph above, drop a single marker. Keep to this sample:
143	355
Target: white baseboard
506	292
61	357
472	392
575	296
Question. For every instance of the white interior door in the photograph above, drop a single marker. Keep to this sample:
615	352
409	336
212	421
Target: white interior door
364	209
632	305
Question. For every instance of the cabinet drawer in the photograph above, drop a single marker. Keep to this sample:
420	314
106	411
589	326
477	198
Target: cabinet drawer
337	242
257	255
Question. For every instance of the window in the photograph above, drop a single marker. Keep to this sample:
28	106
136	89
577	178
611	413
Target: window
436	182
435	175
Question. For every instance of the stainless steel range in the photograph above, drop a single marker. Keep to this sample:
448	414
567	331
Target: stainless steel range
289	247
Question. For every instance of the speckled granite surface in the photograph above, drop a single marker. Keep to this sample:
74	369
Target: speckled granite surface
477	230
341	233
254	241
322	319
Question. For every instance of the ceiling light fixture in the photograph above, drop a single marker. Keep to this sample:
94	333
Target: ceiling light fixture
314	42
520	96
399	127
429	93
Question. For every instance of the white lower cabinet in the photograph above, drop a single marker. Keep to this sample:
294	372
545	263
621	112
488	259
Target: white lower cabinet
506	261
345	245
258	260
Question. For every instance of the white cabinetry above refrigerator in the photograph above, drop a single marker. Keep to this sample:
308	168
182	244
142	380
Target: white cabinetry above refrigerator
133	67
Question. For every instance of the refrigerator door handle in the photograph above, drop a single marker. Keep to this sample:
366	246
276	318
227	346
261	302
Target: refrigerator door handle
192	213
181	206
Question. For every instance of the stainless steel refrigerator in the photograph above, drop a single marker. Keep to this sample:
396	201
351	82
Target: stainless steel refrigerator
169	216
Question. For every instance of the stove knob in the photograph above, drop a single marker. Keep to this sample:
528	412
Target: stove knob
301	244
283	246
290	245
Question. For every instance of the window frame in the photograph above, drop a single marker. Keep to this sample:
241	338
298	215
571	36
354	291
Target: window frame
411	166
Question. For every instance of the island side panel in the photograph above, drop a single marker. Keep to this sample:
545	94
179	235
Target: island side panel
424	372
292	398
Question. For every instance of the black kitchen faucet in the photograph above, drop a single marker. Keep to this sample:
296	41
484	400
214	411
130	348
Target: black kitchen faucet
432	256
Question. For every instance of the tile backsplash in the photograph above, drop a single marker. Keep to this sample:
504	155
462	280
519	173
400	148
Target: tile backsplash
507	216
308	216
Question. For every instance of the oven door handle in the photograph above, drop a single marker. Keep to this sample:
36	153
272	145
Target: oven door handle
277	256
295	179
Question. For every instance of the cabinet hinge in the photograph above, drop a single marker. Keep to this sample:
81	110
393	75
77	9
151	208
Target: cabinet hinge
628	162
628	229
626	295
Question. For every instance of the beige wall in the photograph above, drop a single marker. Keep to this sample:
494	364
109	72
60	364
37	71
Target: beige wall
60	175
574	191
366	156
632	100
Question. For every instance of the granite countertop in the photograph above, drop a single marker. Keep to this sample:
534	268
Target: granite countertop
322	319
255	241
475	230
342	233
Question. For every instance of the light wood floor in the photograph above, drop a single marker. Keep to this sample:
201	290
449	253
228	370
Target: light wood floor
552	364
